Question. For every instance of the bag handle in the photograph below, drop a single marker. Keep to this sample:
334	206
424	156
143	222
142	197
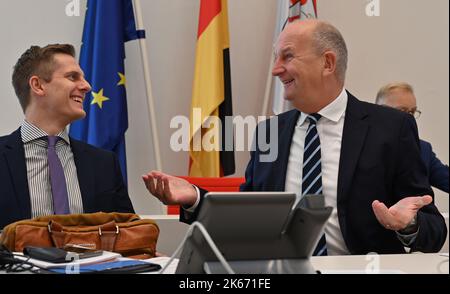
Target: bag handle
108	235
107	232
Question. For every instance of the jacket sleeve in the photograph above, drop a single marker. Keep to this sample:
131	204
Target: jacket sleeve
190	217
412	180
439	175
248	185
122	202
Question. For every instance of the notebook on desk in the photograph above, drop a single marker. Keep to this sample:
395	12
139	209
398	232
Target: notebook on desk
119	266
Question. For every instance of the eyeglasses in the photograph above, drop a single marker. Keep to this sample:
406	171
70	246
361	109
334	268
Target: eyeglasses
416	113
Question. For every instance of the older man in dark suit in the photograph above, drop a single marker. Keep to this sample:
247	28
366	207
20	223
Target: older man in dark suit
363	158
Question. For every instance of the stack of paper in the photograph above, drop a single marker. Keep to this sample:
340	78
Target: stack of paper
106	256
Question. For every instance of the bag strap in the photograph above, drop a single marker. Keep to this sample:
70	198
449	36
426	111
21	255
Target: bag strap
107	232
108	235
56	234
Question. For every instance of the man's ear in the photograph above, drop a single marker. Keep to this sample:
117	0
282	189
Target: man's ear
329	67
36	86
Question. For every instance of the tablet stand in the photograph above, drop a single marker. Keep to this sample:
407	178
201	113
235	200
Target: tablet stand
289	252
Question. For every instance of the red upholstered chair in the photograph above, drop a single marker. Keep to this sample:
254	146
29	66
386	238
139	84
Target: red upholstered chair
210	184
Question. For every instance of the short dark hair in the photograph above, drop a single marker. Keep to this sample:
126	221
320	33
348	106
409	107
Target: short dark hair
36	61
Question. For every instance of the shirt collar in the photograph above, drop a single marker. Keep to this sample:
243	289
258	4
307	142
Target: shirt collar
30	132
333	111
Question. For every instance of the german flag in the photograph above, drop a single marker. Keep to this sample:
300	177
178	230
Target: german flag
211	94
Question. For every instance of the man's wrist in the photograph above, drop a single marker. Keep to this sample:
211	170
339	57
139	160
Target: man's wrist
411	228
192	207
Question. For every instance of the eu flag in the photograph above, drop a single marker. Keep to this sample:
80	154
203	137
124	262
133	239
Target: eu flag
107	26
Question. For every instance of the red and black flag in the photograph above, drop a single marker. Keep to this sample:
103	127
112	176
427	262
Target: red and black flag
211	94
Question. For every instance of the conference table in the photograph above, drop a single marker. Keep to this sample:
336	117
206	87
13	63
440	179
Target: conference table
172	233
416	263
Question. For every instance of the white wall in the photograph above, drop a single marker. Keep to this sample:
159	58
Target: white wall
406	42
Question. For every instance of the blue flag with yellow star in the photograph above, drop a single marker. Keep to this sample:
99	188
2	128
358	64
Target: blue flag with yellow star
107	26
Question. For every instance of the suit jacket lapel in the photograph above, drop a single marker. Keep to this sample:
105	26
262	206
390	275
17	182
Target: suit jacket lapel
353	136
286	127
15	158
85	175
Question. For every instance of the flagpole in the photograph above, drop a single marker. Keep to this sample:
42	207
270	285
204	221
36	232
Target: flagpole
148	84
268	90
282	15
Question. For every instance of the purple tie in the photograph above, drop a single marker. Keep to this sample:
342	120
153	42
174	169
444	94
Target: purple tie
57	179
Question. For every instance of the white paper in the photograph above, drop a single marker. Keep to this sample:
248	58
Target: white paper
106	256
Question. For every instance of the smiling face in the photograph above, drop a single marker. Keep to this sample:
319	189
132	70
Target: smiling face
299	67
62	96
306	62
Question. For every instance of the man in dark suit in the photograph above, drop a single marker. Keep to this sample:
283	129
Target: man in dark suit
51	87
367	163
438	173
401	96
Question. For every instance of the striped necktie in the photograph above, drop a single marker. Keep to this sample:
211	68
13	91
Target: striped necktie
312	170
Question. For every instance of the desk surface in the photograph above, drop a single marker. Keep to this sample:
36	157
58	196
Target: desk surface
416	263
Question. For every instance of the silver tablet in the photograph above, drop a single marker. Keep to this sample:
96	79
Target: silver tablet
253	226
245	215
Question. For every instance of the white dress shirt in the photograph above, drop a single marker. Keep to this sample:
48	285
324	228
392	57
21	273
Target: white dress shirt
329	128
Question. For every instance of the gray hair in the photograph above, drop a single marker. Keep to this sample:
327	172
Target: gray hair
386	89
327	37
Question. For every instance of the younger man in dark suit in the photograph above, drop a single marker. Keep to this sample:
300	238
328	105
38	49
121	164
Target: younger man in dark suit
42	170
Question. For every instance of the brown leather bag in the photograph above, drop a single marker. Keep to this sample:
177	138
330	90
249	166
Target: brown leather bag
124	233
